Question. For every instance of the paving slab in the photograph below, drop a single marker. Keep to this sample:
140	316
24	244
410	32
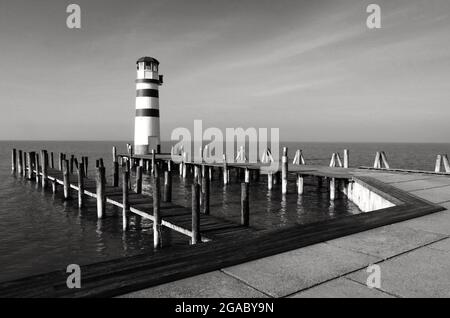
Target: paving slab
421	273
284	274
341	288
422	184
214	284
436	195
438	222
386	241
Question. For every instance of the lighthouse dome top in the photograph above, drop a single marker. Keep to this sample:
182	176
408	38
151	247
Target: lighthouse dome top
148	59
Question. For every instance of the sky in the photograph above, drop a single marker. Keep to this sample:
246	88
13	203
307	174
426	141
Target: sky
310	68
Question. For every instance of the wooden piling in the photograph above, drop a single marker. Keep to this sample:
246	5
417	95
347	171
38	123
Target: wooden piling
72	161
167	186
269	180
196	238
332	188
157	233
247	175
101	197
37	166
80	174
54	184
66	178
125	199
29	160
52	161
346	158
384	160
377	162
437	167
86	163
60	162
24	170
139	179
205	191
153	161
245	204
44	156
115	182
300	184
446	163
114	154
20	165
225	170
14	160
284	170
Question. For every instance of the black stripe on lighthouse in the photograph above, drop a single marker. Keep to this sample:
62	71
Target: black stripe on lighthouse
147	112
147	92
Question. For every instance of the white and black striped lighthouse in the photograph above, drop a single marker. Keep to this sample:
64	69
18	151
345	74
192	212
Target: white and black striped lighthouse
146	127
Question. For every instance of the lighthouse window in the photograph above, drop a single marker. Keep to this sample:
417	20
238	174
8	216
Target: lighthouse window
155	68
148	67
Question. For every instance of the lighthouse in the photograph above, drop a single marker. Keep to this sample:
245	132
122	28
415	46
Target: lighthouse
146	125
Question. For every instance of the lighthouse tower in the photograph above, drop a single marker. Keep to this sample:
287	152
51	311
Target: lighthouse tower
146	126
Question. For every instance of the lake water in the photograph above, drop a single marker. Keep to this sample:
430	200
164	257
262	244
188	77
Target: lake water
40	232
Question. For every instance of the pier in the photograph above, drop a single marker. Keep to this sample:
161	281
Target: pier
215	243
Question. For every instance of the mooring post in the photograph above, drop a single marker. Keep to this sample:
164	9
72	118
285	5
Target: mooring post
346	158
114	154
284	170
52	160
125	199
14	160
245	204
269	180
29	165
195	214
205	190
86	163
437	167
157	234
299	184
44	155
80	174
66	179
332	188
20	167
115	182
37	164
72	157
167	186
138	179
153	161
226	175
101	198
446	163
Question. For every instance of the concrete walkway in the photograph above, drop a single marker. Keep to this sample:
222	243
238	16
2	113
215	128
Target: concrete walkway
414	258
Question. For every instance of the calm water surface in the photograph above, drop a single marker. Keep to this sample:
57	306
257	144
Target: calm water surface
40	232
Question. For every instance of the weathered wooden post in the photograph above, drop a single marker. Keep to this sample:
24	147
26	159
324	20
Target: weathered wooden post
197	174
269	180
101	198
167	186
24	170
115	174
332	188
437	167
60	162
37	165
346	158
247	175
72	161
446	163
205	186
138	179
299	184
245	204
153	161
29	165
86	163
196	237
125	199
80	174
157	234
114	154
284	170
14	160
52	161
20	167
66	178
226	174
44	155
